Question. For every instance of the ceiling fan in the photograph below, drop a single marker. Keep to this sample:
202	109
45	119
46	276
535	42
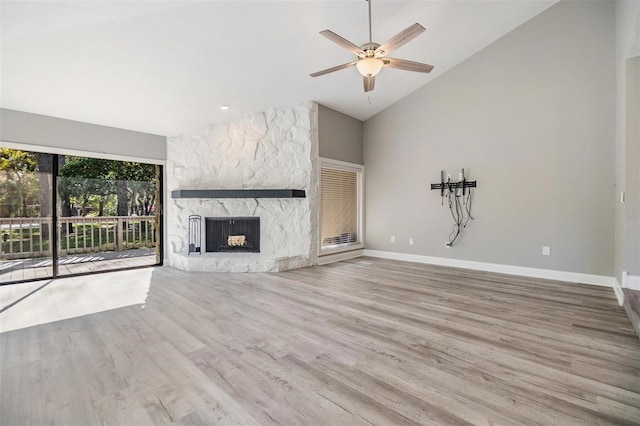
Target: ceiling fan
372	56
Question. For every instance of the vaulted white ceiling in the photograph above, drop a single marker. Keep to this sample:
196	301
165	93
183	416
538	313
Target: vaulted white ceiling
165	67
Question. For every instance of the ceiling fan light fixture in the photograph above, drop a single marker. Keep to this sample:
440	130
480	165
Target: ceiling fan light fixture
369	67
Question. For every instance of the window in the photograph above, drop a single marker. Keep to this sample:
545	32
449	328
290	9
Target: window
341	206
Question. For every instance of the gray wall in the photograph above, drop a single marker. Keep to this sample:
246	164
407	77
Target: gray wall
627	233
632	166
34	129
340	136
532	118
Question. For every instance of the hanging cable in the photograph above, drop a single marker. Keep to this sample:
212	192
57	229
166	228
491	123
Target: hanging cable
468	208
459	200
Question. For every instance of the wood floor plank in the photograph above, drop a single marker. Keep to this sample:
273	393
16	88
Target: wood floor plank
360	342
15	383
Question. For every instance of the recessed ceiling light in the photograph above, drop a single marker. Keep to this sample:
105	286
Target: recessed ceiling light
224	107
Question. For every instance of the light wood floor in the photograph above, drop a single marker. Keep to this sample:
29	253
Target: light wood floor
366	341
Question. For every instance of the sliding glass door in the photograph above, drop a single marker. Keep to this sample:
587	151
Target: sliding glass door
25	215
106	216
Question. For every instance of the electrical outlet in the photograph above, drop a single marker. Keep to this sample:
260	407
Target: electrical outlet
410	241
546	250
392	239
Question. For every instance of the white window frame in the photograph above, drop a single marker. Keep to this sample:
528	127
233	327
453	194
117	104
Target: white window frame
352	167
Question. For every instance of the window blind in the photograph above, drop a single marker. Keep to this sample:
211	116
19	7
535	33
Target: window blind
339	210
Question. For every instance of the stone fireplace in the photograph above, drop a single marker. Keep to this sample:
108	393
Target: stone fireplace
268	151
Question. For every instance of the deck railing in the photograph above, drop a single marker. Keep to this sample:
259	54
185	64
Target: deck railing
30	236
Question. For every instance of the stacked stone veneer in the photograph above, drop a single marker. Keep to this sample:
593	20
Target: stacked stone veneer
276	149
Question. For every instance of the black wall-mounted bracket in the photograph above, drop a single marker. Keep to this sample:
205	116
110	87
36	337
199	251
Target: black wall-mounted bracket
458	195
454	185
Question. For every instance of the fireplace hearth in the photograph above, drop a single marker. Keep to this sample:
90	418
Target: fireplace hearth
232	234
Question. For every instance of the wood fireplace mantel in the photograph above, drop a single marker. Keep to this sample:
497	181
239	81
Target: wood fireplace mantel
238	193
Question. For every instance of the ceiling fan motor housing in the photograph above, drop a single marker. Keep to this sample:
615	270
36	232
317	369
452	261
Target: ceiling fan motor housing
370	50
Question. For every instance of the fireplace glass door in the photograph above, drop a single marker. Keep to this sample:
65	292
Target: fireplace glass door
232	234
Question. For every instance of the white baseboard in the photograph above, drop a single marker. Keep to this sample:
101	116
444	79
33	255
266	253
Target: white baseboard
633	282
337	257
550	274
617	288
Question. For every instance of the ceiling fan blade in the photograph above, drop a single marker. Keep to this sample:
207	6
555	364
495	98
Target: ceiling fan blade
333	69
402	64
399	39
343	42
369	83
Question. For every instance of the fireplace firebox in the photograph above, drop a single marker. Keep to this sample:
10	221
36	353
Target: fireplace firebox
232	234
